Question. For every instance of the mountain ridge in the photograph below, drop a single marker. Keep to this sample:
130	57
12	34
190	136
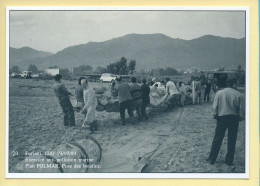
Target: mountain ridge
149	51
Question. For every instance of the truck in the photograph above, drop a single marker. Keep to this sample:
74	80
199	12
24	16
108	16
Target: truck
26	75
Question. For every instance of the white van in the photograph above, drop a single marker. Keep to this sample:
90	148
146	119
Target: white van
107	77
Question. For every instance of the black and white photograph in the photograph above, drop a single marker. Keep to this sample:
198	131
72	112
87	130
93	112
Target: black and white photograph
127	92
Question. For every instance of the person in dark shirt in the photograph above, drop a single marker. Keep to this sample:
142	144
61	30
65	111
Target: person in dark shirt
124	99
207	91
63	96
136	93
202	78
145	98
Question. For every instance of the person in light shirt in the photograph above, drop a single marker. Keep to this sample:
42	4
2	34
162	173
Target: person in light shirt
172	92
198	90
90	101
79	94
228	109
182	90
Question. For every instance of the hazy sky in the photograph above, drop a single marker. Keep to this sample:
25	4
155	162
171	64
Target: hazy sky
55	30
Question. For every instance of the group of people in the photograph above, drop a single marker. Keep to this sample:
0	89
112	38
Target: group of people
177	91
86	102
132	97
201	86
228	106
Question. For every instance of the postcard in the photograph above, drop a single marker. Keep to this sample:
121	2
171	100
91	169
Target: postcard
127	92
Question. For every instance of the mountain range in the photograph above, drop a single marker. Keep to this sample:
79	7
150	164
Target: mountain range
149	50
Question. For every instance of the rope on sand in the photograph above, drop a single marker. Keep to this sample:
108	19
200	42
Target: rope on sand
99	146
55	162
82	150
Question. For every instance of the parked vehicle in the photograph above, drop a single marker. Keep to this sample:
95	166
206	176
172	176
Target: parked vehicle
26	74
51	72
14	75
36	75
107	77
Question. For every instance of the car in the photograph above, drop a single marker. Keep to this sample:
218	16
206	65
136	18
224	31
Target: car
14	75
36	75
107	77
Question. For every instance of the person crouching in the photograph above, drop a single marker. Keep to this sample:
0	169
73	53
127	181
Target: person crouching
173	93
90	101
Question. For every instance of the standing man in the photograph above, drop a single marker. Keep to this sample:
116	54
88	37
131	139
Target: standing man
198	90
145	98
172	91
63	96
202	78
136	93
124	98
182	90
89	109
228	109
207	91
79	95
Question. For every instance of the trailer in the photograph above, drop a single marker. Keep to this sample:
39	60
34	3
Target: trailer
219	79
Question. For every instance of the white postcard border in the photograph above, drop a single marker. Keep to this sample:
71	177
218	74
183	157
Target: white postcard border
134	175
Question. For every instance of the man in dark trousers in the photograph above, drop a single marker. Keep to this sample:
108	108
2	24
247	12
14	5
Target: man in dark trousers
136	93
63	96
145	98
124	98
207	91
228	109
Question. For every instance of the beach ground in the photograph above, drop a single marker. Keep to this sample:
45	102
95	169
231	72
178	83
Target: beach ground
176	140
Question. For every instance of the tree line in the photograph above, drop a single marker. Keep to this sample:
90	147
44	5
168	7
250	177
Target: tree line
119	67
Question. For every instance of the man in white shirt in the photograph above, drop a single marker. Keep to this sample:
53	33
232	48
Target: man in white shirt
182	91
228	109
89	109
172	92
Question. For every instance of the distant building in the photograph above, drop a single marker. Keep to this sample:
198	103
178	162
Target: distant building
51	72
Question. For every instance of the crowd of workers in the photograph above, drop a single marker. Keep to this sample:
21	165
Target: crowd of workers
228	106
131	96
